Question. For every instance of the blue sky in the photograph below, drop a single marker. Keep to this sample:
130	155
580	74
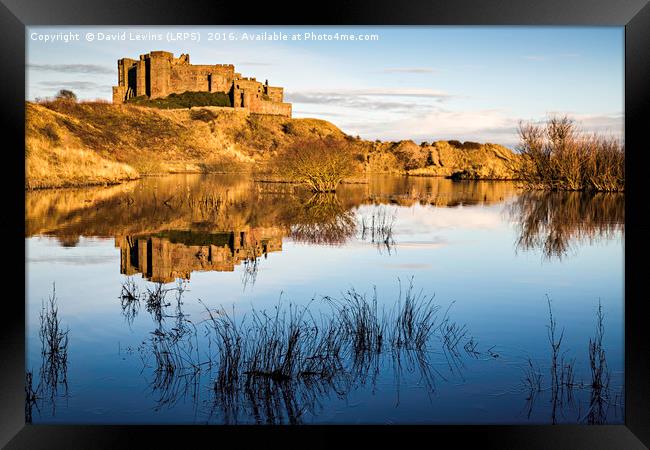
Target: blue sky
420	83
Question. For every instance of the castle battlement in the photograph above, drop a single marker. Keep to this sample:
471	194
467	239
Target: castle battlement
158	74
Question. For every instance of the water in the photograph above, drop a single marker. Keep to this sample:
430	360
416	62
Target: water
492	255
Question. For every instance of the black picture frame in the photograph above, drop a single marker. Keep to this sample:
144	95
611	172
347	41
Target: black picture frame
633	14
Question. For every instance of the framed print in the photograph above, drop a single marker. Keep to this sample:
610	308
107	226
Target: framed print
367	225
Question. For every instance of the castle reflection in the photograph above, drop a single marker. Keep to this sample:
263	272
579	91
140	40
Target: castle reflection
169	255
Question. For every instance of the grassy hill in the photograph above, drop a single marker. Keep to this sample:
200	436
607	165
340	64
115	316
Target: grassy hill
74	144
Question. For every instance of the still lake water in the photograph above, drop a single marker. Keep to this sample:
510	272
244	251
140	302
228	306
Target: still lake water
491	254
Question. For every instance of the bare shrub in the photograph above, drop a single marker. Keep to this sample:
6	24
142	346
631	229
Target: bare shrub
557	156
320	163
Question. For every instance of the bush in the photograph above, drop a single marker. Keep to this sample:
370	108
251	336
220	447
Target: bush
320	163
455	143
185	100
204	115
65	94
469	145
558	157
289	128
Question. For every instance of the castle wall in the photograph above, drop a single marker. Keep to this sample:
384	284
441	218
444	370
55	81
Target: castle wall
201	78
123	66
266	107
276	94
119	93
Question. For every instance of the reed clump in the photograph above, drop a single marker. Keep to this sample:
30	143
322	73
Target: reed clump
557	156
53	372
276	364
600	376
54	342
378	228
564	382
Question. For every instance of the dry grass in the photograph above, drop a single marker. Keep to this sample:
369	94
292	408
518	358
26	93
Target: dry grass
64	167
83	143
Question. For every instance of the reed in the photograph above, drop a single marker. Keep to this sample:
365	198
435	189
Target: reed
600	376
565	383
557	156
532	378
378	228
130	300
276	364
53	371
414	320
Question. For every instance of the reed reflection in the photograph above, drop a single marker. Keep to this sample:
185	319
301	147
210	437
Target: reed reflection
555	222
52	383
568	391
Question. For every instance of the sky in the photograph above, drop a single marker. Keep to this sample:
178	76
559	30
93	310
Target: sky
421	83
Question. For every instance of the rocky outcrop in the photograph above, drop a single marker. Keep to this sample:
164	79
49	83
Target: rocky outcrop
444	158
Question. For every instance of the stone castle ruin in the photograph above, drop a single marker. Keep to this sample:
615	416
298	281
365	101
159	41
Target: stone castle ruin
158	74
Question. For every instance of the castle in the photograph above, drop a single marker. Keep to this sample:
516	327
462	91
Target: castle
158	74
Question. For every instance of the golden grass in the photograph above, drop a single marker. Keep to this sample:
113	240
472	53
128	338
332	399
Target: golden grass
80	143
64	167
54	157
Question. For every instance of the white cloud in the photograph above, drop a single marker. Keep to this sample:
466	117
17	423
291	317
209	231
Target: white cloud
613	124
334	96
75	85
73	68
428	123
489	125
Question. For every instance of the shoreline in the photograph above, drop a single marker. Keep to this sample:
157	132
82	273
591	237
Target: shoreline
256	180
